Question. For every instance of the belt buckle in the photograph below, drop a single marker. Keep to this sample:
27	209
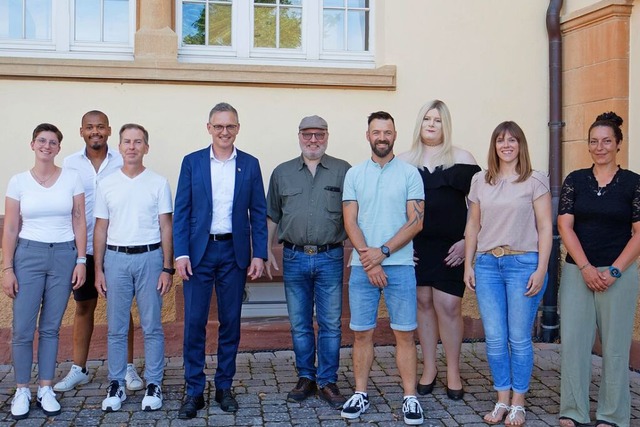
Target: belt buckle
310	249
498	252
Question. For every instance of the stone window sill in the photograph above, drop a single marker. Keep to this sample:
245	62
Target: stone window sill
154	72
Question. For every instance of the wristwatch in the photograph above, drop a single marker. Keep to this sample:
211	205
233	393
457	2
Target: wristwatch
385	251
171	271
615	272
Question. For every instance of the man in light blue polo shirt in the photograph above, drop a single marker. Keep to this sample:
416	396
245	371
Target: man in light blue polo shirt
383	206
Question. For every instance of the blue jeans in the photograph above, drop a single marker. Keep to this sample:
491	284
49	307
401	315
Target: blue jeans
508	316
128	276
308	280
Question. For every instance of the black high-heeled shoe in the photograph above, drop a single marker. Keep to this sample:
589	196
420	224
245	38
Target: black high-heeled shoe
424	389
455	394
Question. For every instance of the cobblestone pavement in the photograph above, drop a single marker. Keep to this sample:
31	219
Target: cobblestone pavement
264	378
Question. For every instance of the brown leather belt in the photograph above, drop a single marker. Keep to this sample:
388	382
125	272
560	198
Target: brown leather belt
500	251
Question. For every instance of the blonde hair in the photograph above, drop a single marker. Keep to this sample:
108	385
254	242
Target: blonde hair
445	156
523	167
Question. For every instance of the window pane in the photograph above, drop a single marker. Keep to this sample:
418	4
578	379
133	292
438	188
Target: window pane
265	2
264	27
116	21
358	3
219	25
333	30
38	19
11	19
333	3
358	30
290	28
291	2
193	23
87	20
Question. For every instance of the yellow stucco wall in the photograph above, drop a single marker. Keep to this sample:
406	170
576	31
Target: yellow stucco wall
487	60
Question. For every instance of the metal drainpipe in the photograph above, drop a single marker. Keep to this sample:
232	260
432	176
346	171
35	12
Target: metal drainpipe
550	322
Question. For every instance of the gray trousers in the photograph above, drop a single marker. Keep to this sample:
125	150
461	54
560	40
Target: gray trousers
43	271
612	312
130	276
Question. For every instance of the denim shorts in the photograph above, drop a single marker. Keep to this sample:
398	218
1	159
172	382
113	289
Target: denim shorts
399	296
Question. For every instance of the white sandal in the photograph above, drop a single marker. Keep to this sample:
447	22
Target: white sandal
513	413
495	411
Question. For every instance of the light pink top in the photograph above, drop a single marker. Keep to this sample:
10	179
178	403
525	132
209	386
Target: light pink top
506	211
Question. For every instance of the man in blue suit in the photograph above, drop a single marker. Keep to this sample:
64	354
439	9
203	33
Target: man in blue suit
220	238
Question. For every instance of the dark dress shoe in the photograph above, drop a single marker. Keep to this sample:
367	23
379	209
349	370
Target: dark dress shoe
455	394
302	390
226	400
331	393
190	407
424	389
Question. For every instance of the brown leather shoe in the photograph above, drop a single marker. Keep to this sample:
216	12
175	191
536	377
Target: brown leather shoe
331	393
302	390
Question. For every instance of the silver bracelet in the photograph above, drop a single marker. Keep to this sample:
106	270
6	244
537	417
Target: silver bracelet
81	260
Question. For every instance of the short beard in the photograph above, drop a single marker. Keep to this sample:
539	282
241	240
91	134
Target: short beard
381	152
310	155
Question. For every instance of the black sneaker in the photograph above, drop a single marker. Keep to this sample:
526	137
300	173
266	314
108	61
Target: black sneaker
412	411
355	406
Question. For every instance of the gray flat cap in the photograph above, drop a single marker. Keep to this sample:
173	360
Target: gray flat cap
313	122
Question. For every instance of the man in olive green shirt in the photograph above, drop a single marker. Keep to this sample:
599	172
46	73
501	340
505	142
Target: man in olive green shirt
304	209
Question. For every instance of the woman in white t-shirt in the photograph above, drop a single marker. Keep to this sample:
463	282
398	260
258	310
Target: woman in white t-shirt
509	233
44	246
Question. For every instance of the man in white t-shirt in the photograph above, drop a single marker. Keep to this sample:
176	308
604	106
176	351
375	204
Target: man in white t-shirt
93	163
133	212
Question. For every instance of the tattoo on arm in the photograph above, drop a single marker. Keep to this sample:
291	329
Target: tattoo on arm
418	210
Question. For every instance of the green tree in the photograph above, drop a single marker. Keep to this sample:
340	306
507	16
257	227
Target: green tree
264	27
219	27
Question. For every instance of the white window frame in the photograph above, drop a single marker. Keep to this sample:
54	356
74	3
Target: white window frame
62	43
242	51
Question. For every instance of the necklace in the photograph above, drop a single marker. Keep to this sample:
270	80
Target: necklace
602	190
42	181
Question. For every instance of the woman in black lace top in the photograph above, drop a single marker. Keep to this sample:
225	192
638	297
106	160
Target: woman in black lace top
599	222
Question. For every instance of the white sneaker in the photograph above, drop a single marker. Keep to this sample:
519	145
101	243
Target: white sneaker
133	380
47	401
74	378
115	396
152	400
20	403
412	411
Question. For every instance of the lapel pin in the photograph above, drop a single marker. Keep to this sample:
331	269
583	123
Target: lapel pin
239	170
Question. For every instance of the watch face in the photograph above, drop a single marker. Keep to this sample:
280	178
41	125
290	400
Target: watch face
614	272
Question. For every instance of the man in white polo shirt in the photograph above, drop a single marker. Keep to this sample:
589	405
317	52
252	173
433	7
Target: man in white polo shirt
133	220
93	163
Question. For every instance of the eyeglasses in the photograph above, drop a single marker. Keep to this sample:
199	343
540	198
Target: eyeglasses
320	136
229	128
42	142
